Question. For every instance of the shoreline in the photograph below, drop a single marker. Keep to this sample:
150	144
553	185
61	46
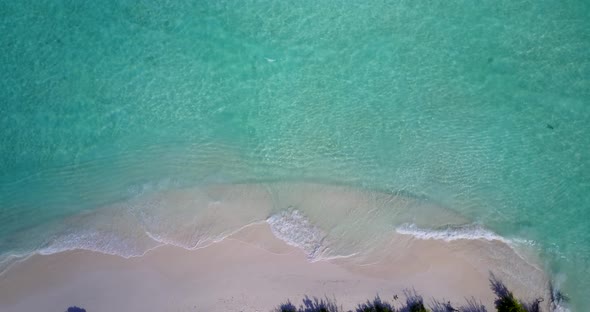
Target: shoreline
253	270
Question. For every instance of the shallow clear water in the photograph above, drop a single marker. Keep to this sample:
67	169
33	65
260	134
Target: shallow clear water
480	107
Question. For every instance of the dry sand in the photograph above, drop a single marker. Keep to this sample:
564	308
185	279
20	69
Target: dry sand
252	270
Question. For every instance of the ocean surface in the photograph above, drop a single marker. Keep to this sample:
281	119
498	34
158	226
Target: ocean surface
482	108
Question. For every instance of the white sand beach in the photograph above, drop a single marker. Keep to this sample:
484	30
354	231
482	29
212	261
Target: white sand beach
252	270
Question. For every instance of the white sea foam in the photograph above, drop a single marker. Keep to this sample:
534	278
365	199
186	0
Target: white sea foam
466	232
296	230
108	243
91	240
521	247
291	227
113	244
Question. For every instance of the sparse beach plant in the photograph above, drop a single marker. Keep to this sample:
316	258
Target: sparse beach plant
414	302
533	306
377	305
442	306
505	302
310	305
472	306
286	307
319	305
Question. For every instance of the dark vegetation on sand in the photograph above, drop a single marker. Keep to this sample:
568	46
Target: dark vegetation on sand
505	302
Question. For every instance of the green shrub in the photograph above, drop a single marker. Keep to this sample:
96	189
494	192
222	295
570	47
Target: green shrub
505	301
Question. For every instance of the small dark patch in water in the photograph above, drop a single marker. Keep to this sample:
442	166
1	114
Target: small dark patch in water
549	126
75	309
490	59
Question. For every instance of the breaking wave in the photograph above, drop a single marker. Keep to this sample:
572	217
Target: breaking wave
296	230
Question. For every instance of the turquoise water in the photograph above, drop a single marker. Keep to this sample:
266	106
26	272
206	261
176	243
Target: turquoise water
482	107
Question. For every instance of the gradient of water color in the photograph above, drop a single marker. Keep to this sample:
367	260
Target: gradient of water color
482	107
